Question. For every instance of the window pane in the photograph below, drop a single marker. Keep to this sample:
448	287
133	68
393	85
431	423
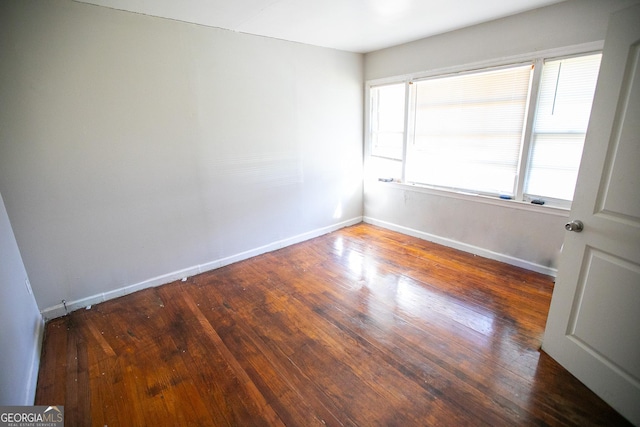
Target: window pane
562	115
557	162
387	120
468	130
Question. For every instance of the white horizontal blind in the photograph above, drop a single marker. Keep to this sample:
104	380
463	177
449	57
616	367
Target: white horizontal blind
468	130
387	120
562	115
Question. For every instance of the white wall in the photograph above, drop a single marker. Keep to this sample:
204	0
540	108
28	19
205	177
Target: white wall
523	235
569	23
22	325
135	150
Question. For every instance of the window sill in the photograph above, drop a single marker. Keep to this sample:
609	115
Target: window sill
477	198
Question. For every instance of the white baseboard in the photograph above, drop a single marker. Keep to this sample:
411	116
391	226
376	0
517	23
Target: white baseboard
32	383
59	310
507	259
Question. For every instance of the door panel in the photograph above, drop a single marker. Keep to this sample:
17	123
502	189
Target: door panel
616	304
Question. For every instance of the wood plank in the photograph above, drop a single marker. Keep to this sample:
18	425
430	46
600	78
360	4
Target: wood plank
52	374
362	326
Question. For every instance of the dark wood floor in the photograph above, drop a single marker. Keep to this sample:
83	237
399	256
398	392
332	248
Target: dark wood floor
358	327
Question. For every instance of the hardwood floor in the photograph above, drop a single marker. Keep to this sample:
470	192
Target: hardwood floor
362	326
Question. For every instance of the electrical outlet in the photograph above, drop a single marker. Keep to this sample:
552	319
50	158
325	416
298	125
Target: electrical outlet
28	285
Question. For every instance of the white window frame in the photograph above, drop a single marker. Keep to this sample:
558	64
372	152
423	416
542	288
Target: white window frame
537	59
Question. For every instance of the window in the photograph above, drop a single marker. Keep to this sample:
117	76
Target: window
387	121
472	132
562	115
468	130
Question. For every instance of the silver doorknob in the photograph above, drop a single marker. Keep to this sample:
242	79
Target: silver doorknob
575	225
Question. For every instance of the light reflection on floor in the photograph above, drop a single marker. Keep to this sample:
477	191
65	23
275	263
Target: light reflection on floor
393	301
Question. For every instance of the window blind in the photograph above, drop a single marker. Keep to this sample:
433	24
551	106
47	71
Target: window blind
566	94
468	130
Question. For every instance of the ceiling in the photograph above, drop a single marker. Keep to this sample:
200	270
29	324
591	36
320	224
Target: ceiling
352	25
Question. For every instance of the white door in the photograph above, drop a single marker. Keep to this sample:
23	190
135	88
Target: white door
593	328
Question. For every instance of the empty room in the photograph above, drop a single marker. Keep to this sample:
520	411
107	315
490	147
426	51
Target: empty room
299	212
